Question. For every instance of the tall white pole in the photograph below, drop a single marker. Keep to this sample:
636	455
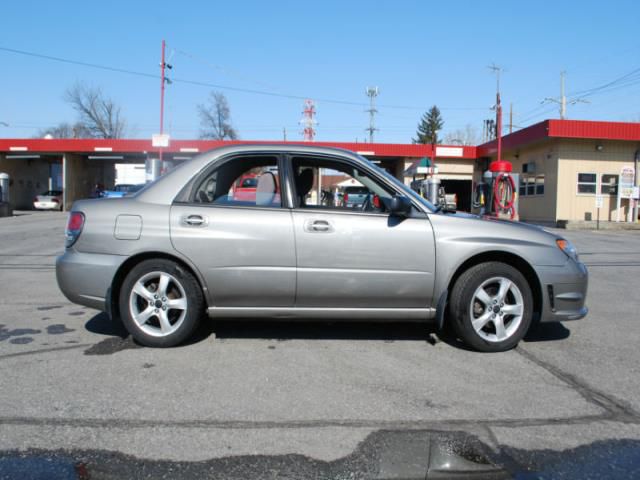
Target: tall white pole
563	98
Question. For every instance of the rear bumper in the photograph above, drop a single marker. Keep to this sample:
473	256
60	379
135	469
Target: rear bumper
85	278
564	292
46	206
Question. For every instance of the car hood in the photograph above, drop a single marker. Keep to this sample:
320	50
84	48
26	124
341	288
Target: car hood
494	220
483	233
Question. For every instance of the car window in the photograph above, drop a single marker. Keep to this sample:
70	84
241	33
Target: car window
243	181
332	184
52	193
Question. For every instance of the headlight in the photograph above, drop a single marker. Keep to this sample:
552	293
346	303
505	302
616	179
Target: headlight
567	247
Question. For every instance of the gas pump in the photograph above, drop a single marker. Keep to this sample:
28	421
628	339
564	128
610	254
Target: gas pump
497	194
504	192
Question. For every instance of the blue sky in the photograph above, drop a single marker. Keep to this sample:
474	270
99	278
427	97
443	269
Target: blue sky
418	53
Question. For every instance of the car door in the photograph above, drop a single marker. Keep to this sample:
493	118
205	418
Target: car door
356	257
242	243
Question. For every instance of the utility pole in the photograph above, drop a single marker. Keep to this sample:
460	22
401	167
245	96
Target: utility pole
563	97
511	117
162	80
372	93
562	101
497	70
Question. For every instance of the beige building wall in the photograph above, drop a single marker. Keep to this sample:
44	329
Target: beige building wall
560	161
539	207
582	156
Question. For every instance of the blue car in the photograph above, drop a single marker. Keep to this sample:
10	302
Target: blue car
121	190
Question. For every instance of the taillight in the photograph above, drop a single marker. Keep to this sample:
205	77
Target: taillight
55	200
74	228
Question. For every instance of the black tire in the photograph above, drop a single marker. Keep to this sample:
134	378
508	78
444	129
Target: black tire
182	285
461	308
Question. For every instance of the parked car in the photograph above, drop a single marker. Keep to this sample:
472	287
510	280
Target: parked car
355	197
49	200
245	188
122	190
160	258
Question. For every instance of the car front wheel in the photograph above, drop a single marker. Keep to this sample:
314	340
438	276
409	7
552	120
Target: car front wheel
161	303
491	307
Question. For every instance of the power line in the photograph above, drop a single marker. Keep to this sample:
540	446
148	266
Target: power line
221	87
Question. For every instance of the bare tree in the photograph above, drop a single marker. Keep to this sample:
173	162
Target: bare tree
100	117
215	119
463	136
64	130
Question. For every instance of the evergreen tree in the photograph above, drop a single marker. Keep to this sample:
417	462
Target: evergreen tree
430	123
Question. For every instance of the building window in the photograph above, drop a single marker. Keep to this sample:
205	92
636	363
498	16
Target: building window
540	185
587	183
531	185
609	184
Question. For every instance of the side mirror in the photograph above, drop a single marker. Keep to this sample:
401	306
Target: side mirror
400	206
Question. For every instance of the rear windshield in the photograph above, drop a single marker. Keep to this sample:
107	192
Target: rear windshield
52	193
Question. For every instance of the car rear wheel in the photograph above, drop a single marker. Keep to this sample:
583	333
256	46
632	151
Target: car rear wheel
492	306
161	303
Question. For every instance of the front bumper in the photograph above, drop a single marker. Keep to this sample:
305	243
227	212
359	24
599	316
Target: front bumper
85	278
564	292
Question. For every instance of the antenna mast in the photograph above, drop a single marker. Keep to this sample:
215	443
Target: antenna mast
308	120
372	93
497	70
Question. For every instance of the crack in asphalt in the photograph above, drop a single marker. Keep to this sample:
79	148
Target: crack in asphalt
44	350
301	424
617	409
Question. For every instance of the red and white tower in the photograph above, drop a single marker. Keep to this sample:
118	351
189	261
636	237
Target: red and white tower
309	120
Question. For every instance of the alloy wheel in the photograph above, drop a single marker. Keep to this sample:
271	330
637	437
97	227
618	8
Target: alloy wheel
496	309
158	304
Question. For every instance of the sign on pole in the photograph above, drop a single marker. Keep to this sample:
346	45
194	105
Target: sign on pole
160	141
599	201
625	187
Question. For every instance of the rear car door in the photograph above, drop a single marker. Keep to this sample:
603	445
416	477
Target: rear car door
240	238
355	255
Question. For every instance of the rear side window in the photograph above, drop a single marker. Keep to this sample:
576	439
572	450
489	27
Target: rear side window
243	181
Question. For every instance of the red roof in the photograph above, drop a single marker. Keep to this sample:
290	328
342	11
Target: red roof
546	129
129	146
535	133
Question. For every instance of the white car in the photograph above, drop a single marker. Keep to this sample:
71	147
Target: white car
49	200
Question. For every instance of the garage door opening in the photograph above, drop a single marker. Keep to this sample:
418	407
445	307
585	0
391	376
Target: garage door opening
462	189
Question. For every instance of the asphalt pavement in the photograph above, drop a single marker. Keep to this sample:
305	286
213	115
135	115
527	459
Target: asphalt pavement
341	400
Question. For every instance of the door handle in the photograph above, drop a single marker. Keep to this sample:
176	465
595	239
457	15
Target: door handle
318	226
195	220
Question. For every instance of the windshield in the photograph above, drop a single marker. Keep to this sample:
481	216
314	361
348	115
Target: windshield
399	184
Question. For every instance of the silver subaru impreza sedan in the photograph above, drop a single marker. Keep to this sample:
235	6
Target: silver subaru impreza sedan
268	231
